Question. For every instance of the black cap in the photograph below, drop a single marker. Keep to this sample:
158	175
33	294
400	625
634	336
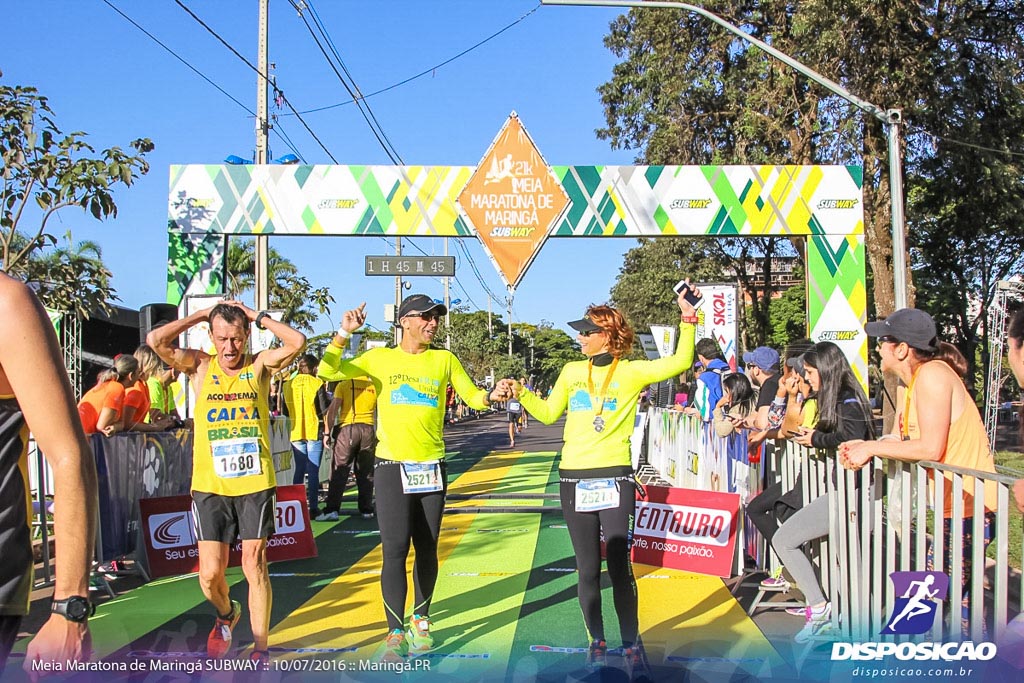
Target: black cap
584	324
910	325
419	304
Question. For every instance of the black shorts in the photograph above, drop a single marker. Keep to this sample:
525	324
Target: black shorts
226	518
9	626
514	418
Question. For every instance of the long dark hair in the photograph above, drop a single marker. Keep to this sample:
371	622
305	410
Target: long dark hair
741	393
836	378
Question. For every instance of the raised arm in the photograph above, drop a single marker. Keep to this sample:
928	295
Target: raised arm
292	341
33	370
164	339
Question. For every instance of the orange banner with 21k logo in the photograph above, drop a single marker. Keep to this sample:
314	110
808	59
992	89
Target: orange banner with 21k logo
512	200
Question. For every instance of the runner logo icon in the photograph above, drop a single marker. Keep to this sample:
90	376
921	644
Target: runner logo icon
916	606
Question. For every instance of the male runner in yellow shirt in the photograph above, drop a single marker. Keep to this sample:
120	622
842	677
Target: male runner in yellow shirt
233	479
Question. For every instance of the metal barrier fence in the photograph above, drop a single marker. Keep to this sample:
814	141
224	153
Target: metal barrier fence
883	519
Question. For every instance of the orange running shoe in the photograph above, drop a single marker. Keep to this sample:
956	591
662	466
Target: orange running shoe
219	641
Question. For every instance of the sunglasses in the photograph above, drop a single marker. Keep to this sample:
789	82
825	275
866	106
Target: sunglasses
426	316
887	339
587	333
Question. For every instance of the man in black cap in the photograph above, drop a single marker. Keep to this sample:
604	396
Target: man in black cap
409	475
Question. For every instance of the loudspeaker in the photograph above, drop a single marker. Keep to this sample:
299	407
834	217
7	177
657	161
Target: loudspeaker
155	315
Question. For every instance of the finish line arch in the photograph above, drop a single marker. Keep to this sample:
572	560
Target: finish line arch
822	203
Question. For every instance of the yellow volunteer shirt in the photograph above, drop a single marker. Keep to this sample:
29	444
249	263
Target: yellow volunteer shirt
231	453
300	397
585	447
357	399
411	391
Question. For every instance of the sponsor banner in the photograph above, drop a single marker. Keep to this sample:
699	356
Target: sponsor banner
665	339
686	529
649	347
719	318
170	538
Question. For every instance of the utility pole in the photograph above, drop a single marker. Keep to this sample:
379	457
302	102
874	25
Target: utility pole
398	294
262	153
508	299
447	306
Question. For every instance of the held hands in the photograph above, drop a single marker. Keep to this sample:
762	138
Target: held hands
249	313
502	391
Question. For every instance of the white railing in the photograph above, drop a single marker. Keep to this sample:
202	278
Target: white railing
883	520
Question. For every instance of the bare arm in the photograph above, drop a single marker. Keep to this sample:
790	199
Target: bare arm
31	367
162	340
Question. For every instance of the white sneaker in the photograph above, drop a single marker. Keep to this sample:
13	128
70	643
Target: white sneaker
326	517
816	620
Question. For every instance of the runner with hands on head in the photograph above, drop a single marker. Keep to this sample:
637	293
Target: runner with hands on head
233	479
410	475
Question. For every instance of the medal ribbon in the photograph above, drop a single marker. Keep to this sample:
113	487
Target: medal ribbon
604	385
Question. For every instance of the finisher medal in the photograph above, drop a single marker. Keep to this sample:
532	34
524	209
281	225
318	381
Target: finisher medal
598	424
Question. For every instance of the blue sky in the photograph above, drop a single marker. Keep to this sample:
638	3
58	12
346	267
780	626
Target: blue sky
106	77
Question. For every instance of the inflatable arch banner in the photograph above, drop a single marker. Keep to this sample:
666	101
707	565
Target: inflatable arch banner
821	203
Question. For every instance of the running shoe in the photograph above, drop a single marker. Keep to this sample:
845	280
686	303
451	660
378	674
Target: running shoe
394	648
797	611
775	581
637	667
597	655
419	636
326	517
219	641
815	621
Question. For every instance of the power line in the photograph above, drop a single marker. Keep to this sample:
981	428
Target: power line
277	91
962	143
281	133
352	89
426	71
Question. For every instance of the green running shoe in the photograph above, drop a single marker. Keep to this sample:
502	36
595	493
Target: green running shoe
419	636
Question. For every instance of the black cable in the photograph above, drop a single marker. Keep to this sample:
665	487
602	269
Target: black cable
280	133
277	91
377	134
427	71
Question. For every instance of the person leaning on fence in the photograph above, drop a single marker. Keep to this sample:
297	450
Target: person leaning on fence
772	506
35	395
736	405
937	421
234	484
102	408
843	413
596	478
708	387
137	402
762	366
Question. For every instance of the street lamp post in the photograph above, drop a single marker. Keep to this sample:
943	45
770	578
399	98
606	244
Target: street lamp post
892	118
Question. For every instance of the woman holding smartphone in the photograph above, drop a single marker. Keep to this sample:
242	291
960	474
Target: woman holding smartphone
596	480
843	413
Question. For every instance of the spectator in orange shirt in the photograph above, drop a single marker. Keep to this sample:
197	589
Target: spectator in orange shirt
137	403
102	407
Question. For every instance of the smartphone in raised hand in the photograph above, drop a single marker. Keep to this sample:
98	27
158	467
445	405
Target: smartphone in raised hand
686	289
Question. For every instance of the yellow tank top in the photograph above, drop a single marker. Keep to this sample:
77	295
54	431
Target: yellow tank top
357	400
966	446
231	454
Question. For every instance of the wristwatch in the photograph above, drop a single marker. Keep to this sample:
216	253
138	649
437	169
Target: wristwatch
75	608
259	319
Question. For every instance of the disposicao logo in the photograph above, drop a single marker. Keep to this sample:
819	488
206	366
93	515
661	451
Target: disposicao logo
915	609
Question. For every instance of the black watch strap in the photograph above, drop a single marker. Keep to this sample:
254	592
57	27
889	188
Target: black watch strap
74	608
259	319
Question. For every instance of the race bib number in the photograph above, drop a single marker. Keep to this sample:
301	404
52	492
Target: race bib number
596	494
236	458
421	477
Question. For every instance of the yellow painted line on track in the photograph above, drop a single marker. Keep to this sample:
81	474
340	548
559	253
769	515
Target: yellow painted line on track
349	612
684	615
